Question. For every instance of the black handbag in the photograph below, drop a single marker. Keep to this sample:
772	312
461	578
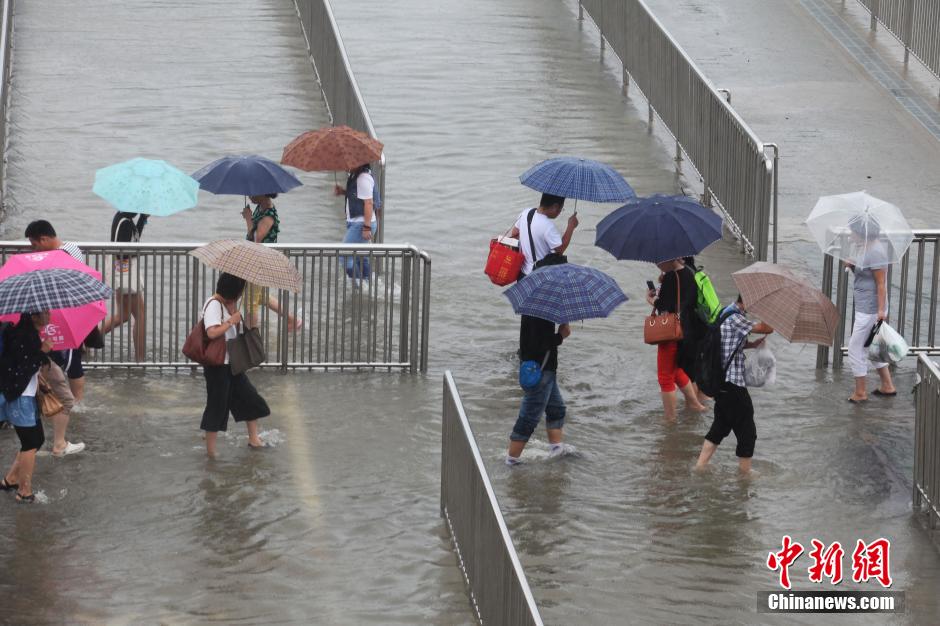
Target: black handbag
552	258
94	340
246	351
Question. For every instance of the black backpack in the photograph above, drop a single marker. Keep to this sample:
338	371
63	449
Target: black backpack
710	369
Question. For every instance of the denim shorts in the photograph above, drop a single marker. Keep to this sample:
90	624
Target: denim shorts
20	412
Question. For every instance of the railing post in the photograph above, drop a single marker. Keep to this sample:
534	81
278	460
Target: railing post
580	11
404	325
822	352
285	328
908	29
842	297
875	8
776	150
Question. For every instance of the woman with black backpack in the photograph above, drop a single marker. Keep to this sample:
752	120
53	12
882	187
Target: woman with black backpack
126	278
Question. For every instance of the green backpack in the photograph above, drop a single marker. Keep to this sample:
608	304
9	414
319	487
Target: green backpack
709	306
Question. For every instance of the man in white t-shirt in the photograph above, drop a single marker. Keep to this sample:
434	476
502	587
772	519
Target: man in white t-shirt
544	234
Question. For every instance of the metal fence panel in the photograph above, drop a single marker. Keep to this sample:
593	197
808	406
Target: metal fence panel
348	323
916	24
498	587
6	63
927	441
337	82
729	157
913	290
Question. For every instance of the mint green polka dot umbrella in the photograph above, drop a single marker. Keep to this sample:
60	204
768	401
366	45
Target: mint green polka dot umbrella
146	186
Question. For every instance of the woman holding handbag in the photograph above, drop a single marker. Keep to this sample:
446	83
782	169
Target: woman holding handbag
227	392
677	295
24	354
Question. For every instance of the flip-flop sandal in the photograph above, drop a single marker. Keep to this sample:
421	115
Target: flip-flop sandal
26	499
261	447
854	401
5	486
879	392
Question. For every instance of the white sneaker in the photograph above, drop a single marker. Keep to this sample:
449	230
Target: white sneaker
70	448
512	461
560	449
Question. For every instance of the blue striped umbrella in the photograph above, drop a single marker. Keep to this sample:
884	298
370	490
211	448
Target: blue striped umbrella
565	293
581	179
658	228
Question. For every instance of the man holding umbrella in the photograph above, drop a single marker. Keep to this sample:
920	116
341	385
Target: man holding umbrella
539	231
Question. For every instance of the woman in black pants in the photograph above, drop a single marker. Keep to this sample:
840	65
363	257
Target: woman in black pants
225	392
24	354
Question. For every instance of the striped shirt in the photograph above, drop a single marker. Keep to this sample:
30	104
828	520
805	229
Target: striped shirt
73	250
734	332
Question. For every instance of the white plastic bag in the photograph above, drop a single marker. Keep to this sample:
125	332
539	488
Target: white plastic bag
888	346
760	367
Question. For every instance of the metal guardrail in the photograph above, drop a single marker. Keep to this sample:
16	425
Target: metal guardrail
731	160
912	300
498	587
915	23
344	101
927	441
6	65
381	323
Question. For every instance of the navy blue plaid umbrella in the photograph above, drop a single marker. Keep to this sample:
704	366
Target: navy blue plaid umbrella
565	293
658	228
581	179
47	290
246	175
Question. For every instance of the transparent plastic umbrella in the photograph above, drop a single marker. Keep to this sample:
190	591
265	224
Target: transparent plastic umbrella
860	229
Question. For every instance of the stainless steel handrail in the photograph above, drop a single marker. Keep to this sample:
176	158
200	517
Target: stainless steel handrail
344	101
381	323
915	23
927	441
498	588
6	66
729	157
912	303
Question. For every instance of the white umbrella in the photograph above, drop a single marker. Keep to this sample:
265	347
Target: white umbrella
861	229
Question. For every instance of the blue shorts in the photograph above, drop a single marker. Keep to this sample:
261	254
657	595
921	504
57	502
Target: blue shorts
20	412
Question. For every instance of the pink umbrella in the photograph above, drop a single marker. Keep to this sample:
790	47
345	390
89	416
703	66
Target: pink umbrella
67	327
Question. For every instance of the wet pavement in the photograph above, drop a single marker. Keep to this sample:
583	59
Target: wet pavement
340	520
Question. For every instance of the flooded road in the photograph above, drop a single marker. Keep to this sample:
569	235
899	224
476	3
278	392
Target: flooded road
340	520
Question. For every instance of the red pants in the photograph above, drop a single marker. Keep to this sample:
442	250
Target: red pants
667	367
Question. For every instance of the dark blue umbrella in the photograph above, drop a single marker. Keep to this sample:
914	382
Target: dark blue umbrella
565	293
245	175
581	179
658	228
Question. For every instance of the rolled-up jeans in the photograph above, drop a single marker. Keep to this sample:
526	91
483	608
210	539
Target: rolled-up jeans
858	353
543	398
357	266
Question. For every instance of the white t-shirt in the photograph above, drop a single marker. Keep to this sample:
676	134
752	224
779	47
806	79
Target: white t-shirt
215	314
544	235
33	385
365	185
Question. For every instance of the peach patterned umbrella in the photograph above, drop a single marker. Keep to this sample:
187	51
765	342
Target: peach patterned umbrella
331	148
797	310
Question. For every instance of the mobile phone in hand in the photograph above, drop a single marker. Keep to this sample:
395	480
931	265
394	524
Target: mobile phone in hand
650	286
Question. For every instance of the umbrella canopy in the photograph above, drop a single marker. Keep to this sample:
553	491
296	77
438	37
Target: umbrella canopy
860	229
254	262
331	148
658	228
565	293
146	186
245	175
67	327
48	290
797	310
581	179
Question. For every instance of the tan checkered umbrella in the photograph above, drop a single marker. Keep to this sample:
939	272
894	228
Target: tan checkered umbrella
254	262
797	310
332	148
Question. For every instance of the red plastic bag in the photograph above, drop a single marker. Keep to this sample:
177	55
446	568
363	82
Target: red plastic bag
504	263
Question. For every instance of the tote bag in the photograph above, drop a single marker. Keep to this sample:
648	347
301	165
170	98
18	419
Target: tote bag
664	327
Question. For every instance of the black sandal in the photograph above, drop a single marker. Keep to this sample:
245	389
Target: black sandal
5	486
25	499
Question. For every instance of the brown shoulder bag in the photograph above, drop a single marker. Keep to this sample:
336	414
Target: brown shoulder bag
665	327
